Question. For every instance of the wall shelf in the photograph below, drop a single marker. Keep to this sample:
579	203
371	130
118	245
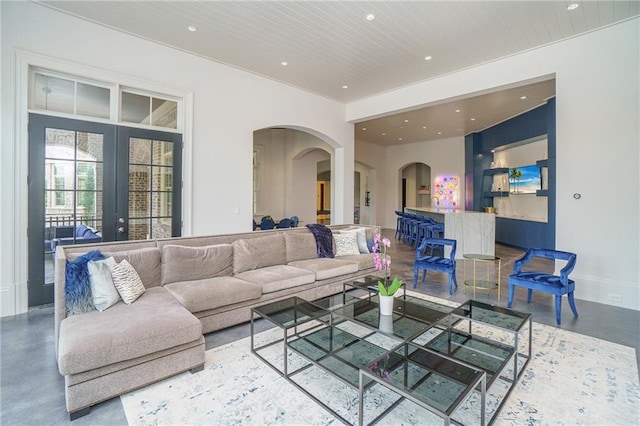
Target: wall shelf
496	171
542	192
496	194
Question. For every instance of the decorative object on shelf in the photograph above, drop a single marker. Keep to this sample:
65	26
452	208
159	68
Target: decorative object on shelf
388	288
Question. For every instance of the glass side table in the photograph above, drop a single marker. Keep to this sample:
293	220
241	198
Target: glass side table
485	283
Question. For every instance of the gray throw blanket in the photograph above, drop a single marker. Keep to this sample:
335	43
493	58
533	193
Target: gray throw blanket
324	239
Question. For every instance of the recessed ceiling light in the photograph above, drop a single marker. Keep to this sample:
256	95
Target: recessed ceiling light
192	28
384	134
473	119
406	121
399	139
573	6
428	58
371	17
523	97
345	87
457	110
364	128
424	127
493	150
439	133
284	63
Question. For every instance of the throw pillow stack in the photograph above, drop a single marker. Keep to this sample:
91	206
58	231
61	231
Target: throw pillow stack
94	282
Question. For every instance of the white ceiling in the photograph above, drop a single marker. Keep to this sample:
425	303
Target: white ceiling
331	44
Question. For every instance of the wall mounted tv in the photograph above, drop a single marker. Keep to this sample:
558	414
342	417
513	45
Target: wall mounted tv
524	180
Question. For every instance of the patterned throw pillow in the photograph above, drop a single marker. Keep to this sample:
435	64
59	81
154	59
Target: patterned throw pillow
127	281
346	244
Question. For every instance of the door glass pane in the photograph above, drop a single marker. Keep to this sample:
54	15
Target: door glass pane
161	227
60	144
165	113
73	174
53	94
139	151
135	108
151	184
139	229
93	101
162	153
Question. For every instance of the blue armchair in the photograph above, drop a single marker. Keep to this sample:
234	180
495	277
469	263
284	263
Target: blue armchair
542	281
436	263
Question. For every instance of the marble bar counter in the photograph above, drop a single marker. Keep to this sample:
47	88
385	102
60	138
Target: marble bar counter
475	232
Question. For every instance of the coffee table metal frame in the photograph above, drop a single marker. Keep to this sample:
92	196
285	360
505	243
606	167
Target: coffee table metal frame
292	313
480	284
298	311
405	391
506	320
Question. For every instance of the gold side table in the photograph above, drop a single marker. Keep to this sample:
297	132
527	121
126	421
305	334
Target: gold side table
486	283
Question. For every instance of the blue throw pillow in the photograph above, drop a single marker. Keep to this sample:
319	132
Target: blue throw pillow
77	288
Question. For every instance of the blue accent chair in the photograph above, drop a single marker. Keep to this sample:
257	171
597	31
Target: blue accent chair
433	262
542	281
267	223
294	221
284	223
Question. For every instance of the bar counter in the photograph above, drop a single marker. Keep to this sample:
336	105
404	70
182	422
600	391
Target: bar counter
475	232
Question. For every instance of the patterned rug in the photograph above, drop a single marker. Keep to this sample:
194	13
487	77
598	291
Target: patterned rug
571	379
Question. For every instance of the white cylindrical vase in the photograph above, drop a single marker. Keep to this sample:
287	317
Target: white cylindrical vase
386	304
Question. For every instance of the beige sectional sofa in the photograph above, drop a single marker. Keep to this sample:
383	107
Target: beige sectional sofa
193	286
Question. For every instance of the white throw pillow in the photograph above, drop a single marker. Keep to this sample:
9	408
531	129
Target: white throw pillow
361	238
346	244
127	281
103	292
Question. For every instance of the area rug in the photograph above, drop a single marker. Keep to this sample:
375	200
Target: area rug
571	379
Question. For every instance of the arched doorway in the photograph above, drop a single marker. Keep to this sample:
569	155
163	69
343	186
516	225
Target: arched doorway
415	185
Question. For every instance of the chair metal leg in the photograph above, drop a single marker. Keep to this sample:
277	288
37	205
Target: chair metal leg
529	294
510	299
558	307
415	277
572	304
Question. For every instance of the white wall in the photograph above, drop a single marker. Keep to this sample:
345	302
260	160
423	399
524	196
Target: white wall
228	105
598	133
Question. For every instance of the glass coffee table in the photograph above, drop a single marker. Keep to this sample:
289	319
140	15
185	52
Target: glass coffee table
340	337
427	378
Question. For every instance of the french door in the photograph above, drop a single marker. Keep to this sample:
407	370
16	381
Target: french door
92	182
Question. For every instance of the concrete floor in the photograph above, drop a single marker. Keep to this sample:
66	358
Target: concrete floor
32	390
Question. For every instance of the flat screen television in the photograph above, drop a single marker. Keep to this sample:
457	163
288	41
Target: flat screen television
524	180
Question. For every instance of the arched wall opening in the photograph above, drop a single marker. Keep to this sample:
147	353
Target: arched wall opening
286	165
414	186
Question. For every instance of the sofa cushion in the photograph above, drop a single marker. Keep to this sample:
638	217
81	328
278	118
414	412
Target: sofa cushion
300	246
184	263
255	253
364	261
211	293
157	321
146	262
326	268
346	244
279	277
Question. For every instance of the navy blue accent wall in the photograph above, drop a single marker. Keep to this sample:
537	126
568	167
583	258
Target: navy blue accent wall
478	157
